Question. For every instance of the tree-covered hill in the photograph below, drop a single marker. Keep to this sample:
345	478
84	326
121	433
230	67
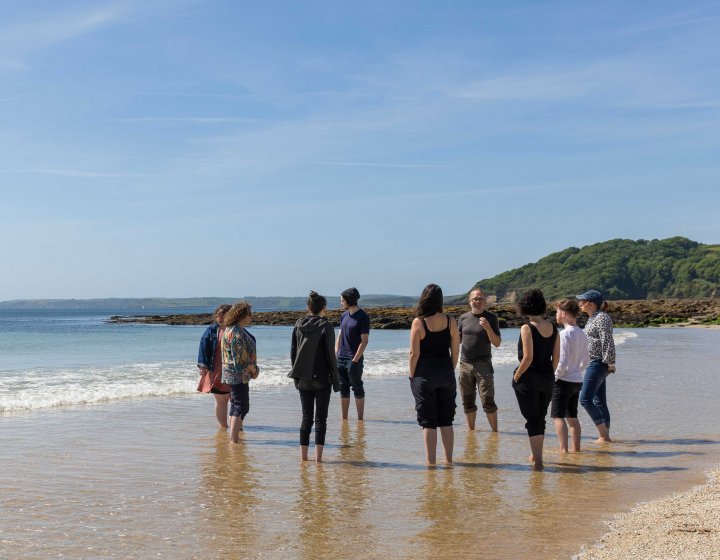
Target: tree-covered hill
621	269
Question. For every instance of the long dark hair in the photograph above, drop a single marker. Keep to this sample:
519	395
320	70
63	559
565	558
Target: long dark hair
430	302
316	303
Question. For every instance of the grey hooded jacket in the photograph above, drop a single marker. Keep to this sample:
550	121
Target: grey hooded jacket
312	353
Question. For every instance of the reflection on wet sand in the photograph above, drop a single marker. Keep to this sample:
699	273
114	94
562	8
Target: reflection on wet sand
229	496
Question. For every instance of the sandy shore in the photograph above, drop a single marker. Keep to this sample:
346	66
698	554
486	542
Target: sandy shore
683	526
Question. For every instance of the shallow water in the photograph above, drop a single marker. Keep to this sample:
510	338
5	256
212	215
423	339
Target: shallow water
154	478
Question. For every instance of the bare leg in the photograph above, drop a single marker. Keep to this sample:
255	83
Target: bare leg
360	406
470	417
430	437
344	407
447	435
562	433
318	453
303	453
604	432
575	432
221	409
236	426
536	446
492	420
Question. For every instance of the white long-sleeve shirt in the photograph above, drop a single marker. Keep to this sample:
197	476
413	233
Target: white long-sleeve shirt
574	356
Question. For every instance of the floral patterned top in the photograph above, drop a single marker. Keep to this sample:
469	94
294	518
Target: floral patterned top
599	331
238	353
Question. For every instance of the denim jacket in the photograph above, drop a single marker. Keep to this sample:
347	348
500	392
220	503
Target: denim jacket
208	341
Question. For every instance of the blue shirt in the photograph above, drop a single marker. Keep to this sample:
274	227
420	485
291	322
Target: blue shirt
351	327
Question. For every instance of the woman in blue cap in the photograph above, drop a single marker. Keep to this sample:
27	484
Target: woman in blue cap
601	347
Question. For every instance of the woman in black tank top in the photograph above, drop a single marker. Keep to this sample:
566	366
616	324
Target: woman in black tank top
434	351
534	378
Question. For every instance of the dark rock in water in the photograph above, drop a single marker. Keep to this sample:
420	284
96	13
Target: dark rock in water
625	313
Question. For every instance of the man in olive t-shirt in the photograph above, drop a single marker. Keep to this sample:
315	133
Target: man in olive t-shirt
479	329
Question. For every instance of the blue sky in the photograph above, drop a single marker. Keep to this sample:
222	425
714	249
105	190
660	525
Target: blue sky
185	148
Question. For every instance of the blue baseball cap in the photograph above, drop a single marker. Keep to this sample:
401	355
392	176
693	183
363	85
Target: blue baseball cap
592	296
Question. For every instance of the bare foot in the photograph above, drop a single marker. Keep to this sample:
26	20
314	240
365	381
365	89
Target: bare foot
603	440
531	458
538	465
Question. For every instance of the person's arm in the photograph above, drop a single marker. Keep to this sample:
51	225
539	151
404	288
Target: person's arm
561	369
585	353
331	357
293	347
556	351
415	337
607	343
203	361
364	336
454	344
363	344
490	330
337	340
527	346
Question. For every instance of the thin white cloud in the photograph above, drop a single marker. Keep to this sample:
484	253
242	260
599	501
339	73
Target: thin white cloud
190	120
86	174
57	28
401	165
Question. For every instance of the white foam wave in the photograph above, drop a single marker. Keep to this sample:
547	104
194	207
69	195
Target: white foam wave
43	388
623	336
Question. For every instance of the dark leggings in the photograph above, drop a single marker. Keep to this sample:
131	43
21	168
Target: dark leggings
534	393
308	399
239	400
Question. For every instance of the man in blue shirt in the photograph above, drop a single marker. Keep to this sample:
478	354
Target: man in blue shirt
349	348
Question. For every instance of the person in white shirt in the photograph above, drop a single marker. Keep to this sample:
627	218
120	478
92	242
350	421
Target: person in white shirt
574	358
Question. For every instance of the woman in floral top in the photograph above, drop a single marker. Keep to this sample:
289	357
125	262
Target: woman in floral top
239	364
601	347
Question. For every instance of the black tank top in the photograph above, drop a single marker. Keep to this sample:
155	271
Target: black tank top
542	352
435	345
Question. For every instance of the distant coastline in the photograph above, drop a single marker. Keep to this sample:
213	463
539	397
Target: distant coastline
625	313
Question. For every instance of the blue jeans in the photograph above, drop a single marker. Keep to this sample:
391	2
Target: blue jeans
350	375
592	395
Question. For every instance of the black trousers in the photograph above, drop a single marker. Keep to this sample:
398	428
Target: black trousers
534	393
314	403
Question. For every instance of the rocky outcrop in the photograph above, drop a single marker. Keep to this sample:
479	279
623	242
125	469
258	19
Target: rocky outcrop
625	313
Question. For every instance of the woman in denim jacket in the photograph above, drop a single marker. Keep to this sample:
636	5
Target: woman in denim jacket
210	363
239	360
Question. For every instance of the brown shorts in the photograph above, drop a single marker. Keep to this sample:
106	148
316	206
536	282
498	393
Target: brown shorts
480	375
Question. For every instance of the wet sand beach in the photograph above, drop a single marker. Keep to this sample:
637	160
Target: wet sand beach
156	479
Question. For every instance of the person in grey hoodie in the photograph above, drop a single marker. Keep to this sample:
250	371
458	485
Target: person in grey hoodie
314	370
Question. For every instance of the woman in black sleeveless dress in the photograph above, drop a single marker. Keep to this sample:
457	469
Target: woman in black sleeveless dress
534	378
434	352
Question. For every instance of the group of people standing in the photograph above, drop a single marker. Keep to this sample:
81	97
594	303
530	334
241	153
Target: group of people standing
563	369
559	369
227	359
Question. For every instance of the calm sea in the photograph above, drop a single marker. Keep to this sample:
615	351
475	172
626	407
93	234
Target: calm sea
110	452
56	358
